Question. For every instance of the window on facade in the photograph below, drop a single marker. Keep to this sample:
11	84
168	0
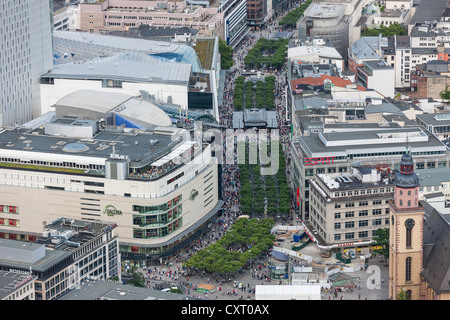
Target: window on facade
349	224
349	204
376	211
363	213
408	269
408	237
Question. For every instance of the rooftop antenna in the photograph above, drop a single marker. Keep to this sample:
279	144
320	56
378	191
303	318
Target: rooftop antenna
408	151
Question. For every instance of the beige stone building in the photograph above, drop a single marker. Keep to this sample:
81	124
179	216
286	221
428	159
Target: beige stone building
347	209
160	192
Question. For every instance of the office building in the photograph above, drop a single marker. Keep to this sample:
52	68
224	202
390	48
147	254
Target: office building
108	15
347	209
16	285
65	254
436	123
25	54
328	21
336	152
377	75
105	291
235	25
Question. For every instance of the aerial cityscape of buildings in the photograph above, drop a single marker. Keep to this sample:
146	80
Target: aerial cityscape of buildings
230	150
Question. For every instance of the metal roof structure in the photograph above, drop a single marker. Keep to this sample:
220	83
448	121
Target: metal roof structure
126	66
83	103
72	46
429	10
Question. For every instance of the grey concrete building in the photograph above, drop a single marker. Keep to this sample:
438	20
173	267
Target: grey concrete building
25	54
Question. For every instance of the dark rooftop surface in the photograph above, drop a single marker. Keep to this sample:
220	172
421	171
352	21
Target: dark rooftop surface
136	145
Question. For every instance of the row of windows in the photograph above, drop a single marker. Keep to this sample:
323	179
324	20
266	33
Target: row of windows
361	203
157	219
362	192
351	235
53	164
9	222
157	232
361	223
158	208
361	213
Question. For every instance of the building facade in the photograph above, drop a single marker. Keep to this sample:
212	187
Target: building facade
336	152
146	183
406	219
110	15
347	209
25	54
67	253
234	21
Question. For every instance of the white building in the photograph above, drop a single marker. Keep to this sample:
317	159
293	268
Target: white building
317	54
25	54
67	18
379	76
285	292
126	73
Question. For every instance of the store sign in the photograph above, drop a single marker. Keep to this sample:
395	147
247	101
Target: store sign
110	210
23	282
345	244
194	193
320	160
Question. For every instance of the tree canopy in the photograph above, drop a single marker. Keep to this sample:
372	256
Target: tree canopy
226	55
290	20
268	53
381	239
393	29
244	241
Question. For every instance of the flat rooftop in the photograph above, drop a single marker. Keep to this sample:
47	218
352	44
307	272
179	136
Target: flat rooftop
324	10
435	119
137	144
370	141
103	290
83	231
51	258
130	66
10	282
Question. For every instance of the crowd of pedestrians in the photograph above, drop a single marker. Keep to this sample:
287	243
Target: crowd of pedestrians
230	173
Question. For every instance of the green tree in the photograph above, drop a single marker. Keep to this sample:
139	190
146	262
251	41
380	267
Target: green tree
137	279
393	29
381	239
226	55
402	294
445	95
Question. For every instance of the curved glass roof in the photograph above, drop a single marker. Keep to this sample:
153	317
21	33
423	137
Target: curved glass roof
174	113
181	54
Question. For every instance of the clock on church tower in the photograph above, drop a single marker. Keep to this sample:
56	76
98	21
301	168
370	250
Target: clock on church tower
405	234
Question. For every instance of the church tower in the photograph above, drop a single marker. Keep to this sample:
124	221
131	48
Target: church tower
405	233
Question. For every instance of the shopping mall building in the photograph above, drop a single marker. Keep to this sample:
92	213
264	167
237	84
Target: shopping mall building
161	190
